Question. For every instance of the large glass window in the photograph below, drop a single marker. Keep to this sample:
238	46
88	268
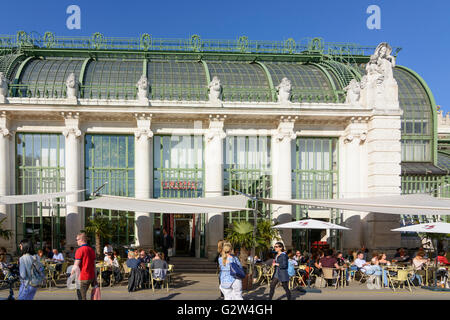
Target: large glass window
178	173
247	169
314	176
110	158
40	169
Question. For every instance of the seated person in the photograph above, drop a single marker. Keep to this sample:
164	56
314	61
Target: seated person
132	262
58	258
359	263
328	261
401	256
256	259
113	268
419	263
159	267
442	272
136	278
41	256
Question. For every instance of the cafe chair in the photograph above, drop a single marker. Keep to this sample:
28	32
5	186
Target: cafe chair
330	274
159	275
126	271
299	276
63	271
170	273
268	273
400	279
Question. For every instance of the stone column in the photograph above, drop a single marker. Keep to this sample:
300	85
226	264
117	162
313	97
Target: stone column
353	178
214	180
282	174
5	140
143	186
73	142
384	169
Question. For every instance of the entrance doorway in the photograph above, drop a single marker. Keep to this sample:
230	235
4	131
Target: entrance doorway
182	236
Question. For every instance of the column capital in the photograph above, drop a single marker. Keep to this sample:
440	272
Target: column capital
285	128
4	124
143	123
72	122
215	130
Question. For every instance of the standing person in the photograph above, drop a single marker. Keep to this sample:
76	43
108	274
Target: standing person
85	261
167	243
280	262
26	290
219	253
230	286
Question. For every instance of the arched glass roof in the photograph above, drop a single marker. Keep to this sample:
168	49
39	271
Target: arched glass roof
241	81
46	78
177	80
112	79
309	83
414	102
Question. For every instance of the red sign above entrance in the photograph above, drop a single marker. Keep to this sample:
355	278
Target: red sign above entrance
179	185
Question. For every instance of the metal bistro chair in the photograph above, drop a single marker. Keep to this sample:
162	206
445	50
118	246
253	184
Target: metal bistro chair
50	275
126	271
331	274
170	273
400	279
155	279
297	278
259	271
62	273
268	273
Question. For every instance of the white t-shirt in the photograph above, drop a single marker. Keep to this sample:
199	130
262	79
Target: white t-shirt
360	263
107	249
58	257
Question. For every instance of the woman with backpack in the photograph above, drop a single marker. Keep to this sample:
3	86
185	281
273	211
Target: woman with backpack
30	269
281	265
230	286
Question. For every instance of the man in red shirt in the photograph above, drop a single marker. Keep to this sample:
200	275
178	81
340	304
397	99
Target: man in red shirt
85	260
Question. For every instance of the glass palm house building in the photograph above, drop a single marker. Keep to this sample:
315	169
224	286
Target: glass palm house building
176	141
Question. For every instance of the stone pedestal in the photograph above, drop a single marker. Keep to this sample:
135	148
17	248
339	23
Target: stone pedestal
353	178
384	169
143	180
214	182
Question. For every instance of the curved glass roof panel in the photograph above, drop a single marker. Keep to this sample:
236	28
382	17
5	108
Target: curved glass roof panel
309	83
241	81
414	102
47	78
443	161
112	79
177	80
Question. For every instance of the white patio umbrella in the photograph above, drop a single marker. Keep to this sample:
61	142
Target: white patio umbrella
310	224
433	227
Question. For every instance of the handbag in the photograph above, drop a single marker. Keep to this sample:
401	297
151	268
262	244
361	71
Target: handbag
236	271
96	294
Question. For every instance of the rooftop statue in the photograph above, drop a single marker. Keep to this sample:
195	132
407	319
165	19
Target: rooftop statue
377	89
353	92
72	87
4	82
142	86
380	89
215	90
284	90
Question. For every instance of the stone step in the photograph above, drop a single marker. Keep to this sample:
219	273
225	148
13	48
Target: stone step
193	265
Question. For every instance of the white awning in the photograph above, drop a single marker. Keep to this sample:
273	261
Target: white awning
34	197
309	224
411	204
186	205
434	227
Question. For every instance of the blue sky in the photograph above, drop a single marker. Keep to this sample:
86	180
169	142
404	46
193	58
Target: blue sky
421	28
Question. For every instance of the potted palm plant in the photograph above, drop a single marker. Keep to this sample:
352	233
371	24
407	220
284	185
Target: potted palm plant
100	227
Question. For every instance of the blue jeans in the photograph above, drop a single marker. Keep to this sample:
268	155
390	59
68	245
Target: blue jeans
26	292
